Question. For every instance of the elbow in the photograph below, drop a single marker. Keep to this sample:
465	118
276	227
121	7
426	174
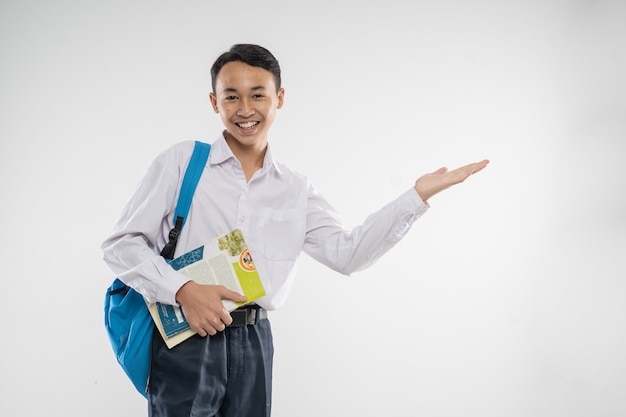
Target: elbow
353	265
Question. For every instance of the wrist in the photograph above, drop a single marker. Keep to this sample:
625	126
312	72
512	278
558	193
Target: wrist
181	294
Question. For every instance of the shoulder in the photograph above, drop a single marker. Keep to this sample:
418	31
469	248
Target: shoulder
179	151
176	155
290	174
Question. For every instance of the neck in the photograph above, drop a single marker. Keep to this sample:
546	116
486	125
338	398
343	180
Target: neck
251	156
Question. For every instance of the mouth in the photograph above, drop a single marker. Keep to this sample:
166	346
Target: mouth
246	125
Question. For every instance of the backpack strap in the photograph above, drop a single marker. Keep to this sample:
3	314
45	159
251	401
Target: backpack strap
190	182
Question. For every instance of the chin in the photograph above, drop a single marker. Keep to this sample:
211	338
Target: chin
247	140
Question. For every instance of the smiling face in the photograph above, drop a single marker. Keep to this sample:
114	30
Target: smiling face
246	99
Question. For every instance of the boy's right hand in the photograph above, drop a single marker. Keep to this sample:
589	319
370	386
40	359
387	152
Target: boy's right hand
203	308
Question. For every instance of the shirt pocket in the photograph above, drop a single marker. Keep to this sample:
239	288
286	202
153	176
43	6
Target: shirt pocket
282	232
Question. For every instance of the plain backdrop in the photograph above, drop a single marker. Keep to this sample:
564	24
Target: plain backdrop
506	299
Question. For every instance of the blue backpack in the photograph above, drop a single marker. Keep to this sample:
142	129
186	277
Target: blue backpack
126	316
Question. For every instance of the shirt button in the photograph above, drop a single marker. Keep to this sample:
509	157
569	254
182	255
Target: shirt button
242	219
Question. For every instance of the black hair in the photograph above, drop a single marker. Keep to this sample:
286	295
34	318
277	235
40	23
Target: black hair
253	55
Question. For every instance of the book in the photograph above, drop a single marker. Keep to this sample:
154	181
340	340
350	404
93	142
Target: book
225	261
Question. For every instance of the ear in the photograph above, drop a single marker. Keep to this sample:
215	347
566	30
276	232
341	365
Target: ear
214	102
281	98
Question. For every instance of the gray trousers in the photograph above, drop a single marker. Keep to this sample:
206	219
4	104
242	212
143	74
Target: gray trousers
226	375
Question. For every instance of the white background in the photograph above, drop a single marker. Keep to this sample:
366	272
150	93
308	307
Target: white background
506	299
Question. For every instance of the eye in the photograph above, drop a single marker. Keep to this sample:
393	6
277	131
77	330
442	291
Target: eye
230	98
257	96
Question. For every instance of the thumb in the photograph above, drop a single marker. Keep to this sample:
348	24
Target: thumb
441	170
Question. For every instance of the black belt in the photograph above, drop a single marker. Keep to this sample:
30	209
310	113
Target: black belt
247	315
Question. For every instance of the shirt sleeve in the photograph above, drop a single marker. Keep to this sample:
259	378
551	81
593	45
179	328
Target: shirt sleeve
132	249
348	251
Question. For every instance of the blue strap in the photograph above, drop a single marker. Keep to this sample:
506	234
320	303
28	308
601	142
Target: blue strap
190	181
188	188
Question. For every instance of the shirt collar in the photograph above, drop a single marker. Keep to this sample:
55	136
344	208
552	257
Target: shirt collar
221	152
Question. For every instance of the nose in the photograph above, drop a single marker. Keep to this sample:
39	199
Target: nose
245	108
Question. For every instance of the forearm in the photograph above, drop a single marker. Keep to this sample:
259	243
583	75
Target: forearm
144	270
348	251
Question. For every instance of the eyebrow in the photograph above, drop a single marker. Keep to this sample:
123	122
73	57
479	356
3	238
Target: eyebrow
234	90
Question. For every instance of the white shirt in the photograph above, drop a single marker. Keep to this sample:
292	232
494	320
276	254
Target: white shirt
278	211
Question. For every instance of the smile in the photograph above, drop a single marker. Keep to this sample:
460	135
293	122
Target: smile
247	125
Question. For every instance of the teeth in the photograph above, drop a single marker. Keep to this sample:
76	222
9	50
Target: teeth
247	125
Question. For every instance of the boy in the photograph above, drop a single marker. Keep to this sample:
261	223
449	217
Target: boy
226	369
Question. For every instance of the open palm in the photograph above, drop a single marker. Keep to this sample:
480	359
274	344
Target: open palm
430	184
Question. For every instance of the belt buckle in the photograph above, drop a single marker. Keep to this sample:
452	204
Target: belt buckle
240	318
244	316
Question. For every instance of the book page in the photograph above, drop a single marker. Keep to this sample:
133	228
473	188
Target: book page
223	268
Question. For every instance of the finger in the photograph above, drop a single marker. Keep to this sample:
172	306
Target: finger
225	293
209	327
470	169
228	319
214	328
478	166
224	319
215	321
220	327
202	329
